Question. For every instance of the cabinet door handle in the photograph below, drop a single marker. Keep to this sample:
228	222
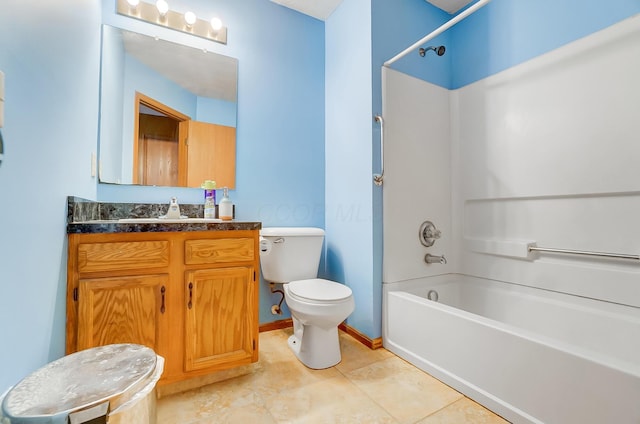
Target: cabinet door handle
163	290
190	304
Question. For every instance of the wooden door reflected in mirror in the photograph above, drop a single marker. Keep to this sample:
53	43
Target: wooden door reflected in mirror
157	151
210	152
171	149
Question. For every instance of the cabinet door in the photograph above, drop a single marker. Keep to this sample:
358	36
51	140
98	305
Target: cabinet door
220	317
121	310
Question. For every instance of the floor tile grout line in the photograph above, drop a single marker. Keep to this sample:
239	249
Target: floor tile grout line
438	410
395	420
461	396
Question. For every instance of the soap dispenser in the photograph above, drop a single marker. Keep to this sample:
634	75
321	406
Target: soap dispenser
225	208
174	209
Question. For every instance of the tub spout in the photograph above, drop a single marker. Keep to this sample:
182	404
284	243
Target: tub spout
433	259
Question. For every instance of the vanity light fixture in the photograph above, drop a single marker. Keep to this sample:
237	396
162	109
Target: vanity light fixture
190	19
160	14
163	8
216	24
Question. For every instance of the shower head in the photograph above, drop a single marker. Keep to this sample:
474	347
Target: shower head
439	50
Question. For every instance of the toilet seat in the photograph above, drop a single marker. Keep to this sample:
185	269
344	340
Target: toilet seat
318	290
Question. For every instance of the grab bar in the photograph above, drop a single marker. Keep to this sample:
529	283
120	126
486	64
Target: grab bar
585	253
377	178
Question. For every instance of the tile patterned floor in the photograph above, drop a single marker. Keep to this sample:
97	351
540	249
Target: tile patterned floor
368	386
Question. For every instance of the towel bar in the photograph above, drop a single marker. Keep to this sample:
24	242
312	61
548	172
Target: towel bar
585	253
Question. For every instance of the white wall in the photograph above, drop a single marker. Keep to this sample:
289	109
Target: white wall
417	184
548	152
544	152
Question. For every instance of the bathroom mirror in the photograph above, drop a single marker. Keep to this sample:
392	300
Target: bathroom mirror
167	112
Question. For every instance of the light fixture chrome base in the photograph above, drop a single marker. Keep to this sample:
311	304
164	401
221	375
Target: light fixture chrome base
149	13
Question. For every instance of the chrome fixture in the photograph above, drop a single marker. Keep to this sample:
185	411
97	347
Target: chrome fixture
160	14
377	178
432	295
584	253
439	50
433	34
428	234
434	259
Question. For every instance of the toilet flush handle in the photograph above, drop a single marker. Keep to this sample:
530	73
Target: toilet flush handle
279	240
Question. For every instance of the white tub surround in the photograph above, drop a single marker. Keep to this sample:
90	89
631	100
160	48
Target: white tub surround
541	155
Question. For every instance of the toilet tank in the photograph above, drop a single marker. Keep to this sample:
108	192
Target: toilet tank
290	253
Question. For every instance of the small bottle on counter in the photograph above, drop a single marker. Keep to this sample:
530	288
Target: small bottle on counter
209	187
174	209
225	208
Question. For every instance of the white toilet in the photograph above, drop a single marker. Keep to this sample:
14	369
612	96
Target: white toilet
291	256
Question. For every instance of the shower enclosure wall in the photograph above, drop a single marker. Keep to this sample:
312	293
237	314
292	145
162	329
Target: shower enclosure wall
543	154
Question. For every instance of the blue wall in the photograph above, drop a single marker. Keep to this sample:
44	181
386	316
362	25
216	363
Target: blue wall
111	120
216	111
348	195
49	54
398	24
505	32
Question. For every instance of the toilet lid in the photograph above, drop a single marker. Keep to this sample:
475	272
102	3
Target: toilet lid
317	289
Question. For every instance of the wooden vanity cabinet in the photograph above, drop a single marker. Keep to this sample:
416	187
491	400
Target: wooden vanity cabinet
190	296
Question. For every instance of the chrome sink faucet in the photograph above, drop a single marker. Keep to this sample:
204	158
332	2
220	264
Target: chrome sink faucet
174	209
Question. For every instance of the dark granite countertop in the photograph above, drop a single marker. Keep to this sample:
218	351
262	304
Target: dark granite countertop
86	216
113	226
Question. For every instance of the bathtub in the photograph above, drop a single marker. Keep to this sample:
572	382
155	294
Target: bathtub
530	355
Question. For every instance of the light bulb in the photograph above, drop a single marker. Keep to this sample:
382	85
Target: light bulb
163	7
133	3
216	24
190	18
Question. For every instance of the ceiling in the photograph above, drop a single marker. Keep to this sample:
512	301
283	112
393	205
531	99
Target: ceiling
322	9
451	6
203	73
319	9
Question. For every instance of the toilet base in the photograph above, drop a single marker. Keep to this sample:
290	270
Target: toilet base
315	347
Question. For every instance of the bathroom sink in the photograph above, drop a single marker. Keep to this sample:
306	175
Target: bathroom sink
168	220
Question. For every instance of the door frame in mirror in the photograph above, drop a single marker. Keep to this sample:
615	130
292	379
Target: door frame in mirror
146	101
